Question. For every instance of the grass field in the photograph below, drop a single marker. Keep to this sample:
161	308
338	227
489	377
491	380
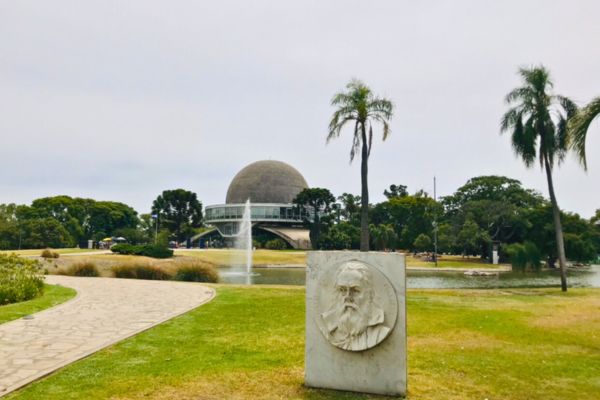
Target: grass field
53	295
446	261
248	343
275	257
259	257
37	252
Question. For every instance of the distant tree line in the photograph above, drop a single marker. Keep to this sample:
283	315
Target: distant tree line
487	210
63	221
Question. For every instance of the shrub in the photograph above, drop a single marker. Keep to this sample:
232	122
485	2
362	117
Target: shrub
141	271
127	249
20	279
156	251
48	253
148	250
84	268
196	271
524	255
275	244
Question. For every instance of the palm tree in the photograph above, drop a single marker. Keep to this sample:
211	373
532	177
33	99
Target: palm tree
358	105
538	125
579	125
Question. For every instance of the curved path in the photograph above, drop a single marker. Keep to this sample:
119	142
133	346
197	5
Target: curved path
105	311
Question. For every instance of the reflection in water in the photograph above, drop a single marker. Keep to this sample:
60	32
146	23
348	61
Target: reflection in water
589	277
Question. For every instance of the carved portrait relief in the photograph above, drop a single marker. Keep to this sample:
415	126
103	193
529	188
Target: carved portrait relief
357	306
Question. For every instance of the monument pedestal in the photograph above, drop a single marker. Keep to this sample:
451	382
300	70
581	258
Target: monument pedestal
356	322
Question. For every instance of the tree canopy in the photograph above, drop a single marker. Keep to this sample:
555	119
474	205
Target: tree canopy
179	211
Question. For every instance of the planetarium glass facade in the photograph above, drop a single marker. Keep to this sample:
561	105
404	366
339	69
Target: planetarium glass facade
271	187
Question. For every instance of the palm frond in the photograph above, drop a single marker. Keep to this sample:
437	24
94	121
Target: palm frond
578	127
537	77
568	105
336	125
510	119
523	94
356	142
382	107
523	140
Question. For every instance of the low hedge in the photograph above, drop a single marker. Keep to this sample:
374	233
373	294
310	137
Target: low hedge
148	250
20	279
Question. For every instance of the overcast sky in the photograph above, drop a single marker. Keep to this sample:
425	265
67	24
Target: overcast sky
117	100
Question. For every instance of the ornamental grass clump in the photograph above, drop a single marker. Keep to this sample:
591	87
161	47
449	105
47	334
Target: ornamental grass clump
196	271
141	271
84	268
20	279
48	253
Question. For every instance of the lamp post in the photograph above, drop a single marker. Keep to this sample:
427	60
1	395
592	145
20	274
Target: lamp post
435	226
155	217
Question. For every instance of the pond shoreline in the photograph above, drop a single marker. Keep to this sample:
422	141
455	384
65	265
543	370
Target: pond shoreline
502	268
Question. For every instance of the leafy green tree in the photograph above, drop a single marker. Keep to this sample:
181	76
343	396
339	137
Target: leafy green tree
70	212
535	135
105	218
423	243
314	203
179	211
359	107
45	232
471	237
350	207
410	216
341	236
384	236
578	248
395	191
445	240
579	126
582	237
497	204
596	218
492	188
9	227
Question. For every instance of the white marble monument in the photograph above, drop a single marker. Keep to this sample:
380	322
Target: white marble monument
356	322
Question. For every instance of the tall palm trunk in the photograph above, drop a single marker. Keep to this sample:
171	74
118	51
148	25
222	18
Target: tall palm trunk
560	243
364	211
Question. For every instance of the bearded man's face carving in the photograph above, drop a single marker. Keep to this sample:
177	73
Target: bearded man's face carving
354	298
354	322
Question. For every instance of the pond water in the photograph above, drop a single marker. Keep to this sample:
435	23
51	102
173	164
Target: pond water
588	277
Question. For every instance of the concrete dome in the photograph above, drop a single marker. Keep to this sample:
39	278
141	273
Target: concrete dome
266	182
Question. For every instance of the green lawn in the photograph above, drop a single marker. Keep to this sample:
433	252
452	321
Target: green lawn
248	343
53	295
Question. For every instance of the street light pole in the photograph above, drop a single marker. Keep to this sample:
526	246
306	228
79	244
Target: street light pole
435	227
156	231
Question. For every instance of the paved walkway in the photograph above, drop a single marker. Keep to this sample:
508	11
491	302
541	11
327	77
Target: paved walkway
105	311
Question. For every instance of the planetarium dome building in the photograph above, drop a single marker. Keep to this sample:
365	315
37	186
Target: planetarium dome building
271	187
